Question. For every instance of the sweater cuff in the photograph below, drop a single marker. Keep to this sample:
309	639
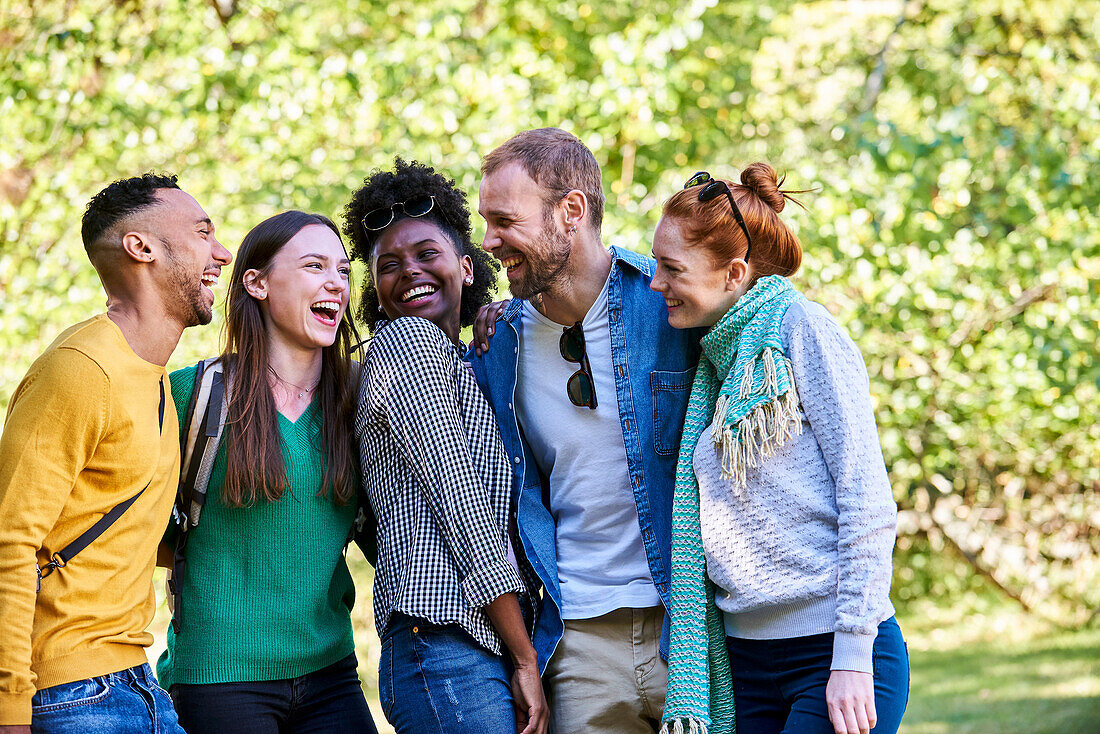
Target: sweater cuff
15	709
483	585
852	651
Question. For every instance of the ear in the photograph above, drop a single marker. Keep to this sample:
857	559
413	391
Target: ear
467	270
737	274
574	208
139	246
255	284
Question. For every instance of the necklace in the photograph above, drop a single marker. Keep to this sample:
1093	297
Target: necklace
303	390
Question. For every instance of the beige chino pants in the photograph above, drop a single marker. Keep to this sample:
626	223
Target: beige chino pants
607	676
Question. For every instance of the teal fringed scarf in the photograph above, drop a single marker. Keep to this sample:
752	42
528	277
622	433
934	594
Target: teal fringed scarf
745	382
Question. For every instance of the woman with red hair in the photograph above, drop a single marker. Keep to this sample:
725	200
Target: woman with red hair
783	515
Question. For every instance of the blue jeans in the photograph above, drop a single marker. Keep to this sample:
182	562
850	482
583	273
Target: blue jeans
779	685
127	701
436	679
326	700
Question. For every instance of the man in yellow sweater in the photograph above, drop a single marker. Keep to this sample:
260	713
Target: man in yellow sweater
91	426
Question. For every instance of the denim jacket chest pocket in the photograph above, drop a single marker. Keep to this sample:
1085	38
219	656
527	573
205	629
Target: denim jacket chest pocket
670	398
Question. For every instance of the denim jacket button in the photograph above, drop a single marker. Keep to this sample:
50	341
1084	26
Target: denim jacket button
516	459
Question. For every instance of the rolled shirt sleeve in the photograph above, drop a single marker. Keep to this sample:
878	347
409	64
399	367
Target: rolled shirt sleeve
415	367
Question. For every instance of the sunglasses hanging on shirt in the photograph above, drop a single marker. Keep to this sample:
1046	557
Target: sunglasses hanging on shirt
581	387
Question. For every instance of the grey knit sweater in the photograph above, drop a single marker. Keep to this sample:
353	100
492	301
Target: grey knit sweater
806	547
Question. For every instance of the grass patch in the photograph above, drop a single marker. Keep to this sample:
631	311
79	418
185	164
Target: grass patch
982	666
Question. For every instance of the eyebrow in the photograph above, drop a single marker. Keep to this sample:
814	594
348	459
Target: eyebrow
497	213
205	221
319	256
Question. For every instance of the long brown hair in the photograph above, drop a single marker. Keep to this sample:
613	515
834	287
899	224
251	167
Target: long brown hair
254	454
775	248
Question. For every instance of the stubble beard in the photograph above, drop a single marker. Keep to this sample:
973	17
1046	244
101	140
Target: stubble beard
545	269
187	292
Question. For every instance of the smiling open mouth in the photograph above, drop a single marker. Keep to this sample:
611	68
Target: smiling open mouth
511	261
418	293
326	310
673	303
209	280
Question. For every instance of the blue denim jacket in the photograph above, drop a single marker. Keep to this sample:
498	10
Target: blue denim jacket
654	365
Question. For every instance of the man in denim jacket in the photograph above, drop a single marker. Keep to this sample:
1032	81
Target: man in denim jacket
589	384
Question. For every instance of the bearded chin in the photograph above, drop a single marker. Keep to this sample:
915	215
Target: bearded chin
544	272
201	314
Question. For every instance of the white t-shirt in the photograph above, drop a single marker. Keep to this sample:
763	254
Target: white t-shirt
602	564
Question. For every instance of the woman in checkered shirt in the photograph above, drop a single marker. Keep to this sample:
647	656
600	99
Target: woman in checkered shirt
449	589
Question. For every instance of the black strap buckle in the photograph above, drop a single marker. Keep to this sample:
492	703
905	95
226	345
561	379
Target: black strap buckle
56	562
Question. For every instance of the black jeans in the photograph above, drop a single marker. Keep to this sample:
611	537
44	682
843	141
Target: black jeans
779	685
327	700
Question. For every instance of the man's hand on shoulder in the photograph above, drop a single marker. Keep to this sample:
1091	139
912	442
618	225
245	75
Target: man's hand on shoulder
15	729
485	324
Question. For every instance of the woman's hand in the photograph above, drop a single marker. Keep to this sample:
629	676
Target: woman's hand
484	324
850	697
532	713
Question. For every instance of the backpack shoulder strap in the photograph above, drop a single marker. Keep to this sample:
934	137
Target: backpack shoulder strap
203	428
199	440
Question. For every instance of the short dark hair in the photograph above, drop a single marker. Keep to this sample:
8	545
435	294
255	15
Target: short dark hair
558	162
118	201
408	180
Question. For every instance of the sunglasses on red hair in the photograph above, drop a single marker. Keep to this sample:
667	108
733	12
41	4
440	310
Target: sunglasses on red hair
712	189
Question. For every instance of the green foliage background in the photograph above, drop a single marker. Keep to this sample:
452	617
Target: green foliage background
954	145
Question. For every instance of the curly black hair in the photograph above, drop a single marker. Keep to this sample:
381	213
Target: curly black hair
407	181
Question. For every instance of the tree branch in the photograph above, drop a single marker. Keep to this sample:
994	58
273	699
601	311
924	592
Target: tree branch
935	496
968	330
873	86
972	332
226	9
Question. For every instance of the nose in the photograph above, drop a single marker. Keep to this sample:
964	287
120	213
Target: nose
491	241
221	254
335	281
658	282
410	268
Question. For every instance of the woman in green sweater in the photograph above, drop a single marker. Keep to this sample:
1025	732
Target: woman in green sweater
264	642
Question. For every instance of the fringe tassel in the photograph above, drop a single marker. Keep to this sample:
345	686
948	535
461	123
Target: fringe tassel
676	726
771	377
764	430
759	435
746	379
721	408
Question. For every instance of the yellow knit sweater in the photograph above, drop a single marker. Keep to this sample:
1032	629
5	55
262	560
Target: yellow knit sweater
81	436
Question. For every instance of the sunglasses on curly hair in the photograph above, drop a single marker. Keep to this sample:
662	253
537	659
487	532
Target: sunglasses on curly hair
383	217
712	189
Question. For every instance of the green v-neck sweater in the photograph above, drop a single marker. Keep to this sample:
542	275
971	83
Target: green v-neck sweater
266	592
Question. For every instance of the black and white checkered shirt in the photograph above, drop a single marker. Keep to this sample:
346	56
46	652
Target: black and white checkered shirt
438	478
